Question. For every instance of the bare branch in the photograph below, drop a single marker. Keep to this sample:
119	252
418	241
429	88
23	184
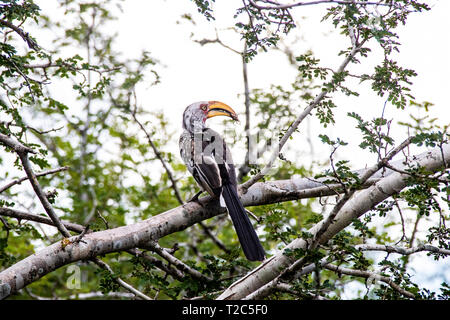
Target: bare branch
176	262
122	283
244	187
208	232
353	209
138	235
22	152
15	145
245	169
25	36
401	250
21	215
277	6
40	174
368	274
41	195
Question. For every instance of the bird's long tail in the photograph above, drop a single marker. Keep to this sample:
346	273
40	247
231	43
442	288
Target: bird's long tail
248	238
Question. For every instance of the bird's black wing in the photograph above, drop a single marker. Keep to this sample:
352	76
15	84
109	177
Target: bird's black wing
199	153
211	165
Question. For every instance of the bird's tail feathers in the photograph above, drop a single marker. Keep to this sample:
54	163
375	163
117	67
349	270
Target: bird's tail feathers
248	238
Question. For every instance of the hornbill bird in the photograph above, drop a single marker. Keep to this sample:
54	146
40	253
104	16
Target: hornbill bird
209	160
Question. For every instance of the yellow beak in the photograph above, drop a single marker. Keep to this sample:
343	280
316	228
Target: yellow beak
216	108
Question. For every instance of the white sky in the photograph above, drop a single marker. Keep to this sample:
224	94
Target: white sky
193	73
212	72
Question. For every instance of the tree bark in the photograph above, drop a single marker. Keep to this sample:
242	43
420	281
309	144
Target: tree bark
358	205
140	234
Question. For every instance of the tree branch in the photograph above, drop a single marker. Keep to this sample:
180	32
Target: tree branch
176	262
122	283
354	208
401	250
24	35
14	145
368	274
41	195
21	215
22	151
244	187
277	6
348	195
325	224
40	174
175	273
140	234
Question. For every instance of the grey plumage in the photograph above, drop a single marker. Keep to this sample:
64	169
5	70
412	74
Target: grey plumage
209	160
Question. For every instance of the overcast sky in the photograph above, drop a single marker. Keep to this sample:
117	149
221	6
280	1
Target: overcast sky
192	72
211	72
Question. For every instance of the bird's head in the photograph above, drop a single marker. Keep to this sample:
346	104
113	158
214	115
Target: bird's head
195	115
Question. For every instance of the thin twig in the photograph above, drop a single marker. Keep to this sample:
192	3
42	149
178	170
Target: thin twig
417	175
122	283
245	168
397	205
372	275
402	250
245	186
40	174
41	195
22	151
21	215
213	237
160	158
79	238
277	6
177	263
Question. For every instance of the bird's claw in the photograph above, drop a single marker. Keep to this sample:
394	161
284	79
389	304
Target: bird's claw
195	198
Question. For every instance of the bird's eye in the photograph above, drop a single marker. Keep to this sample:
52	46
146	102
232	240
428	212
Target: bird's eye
203	107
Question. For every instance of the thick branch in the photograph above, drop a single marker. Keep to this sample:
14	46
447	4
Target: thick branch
348	195
141	233
21	215
354	208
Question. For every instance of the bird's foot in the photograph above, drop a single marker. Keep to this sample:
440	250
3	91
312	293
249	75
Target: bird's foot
195	198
